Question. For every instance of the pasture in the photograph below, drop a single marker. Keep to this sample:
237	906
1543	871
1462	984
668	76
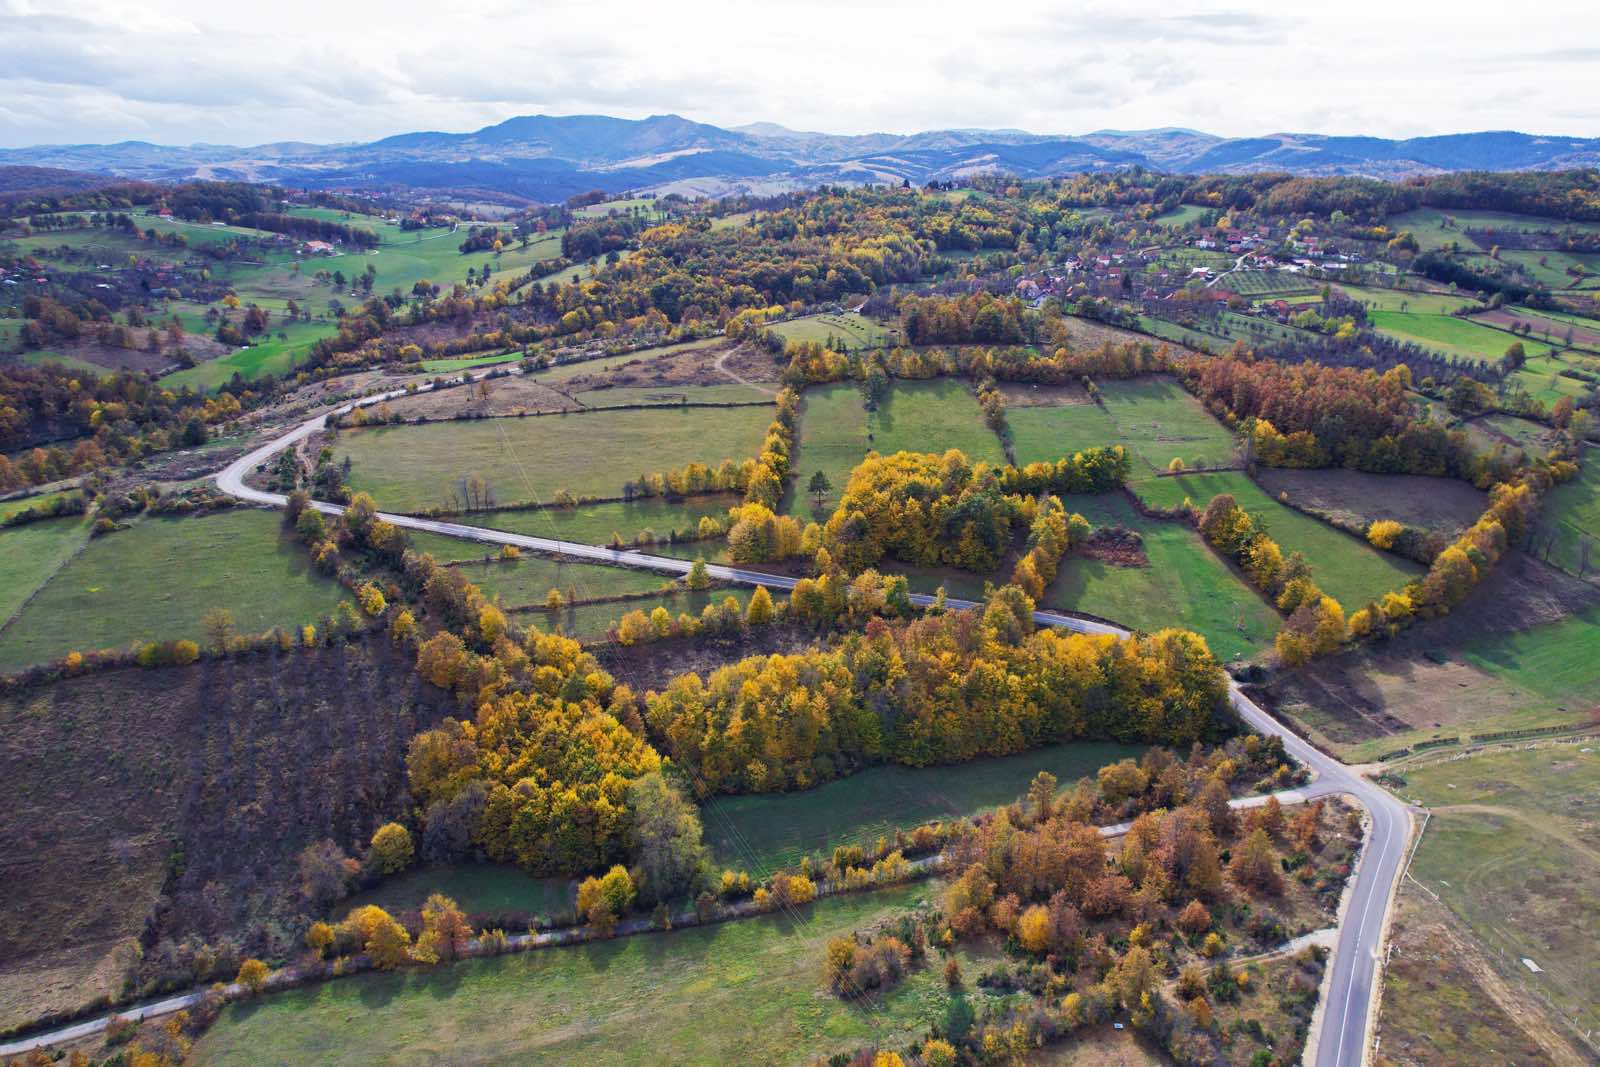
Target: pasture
156	580
1356	498
593	622
1512	850
1159	421
527	581
594	524
1185	585
531	459
1572	509
1436	228
482	889
29	555
1407	300
932	416
850	331
1154	418
1040	434
659	998
1183	215
765	832
1452	336
1346	567
837	431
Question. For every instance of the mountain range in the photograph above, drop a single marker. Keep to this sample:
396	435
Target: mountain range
542	158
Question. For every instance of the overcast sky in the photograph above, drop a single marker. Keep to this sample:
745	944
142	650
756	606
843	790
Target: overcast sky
244	72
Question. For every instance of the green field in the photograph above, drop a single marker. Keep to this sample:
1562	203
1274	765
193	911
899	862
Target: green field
833	439
1159	421
410	467
1404	300
271	356
932	416
450	366
654	998
156	580
1452	336
595	523
1186	584
1555	664
527	581
673	395
1429	225
849	330
1182	215
29	555
15	505
1512	849
1183	335
480	889
1346	567
593	622
761	834
836	430
1041	434
1573	510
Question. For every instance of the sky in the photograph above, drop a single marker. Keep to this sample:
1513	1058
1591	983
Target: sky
245	72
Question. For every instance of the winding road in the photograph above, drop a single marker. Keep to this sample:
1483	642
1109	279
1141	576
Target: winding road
1343	1036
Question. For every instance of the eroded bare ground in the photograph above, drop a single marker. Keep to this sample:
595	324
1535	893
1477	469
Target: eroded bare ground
1444	1003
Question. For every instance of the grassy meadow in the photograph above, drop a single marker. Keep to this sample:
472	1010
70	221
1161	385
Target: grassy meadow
411	467
594	524
837	431
1346	567
765	832
156	580
849	330
527	581
1512	849
1572	509
660	998
1186	584
29	555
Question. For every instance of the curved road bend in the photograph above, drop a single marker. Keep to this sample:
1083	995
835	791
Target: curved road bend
1343	1037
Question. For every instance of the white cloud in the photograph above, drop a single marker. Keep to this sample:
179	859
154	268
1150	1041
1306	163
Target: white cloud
178	71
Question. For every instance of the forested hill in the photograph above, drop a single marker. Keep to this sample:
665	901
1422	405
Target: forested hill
550	158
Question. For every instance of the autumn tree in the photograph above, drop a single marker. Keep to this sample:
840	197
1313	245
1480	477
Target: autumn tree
252	975
1255	863
602	901
391	848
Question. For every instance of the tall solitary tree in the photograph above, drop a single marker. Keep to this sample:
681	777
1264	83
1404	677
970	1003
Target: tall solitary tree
819	488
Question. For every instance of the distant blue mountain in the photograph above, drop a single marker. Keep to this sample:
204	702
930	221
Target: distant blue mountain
547	158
